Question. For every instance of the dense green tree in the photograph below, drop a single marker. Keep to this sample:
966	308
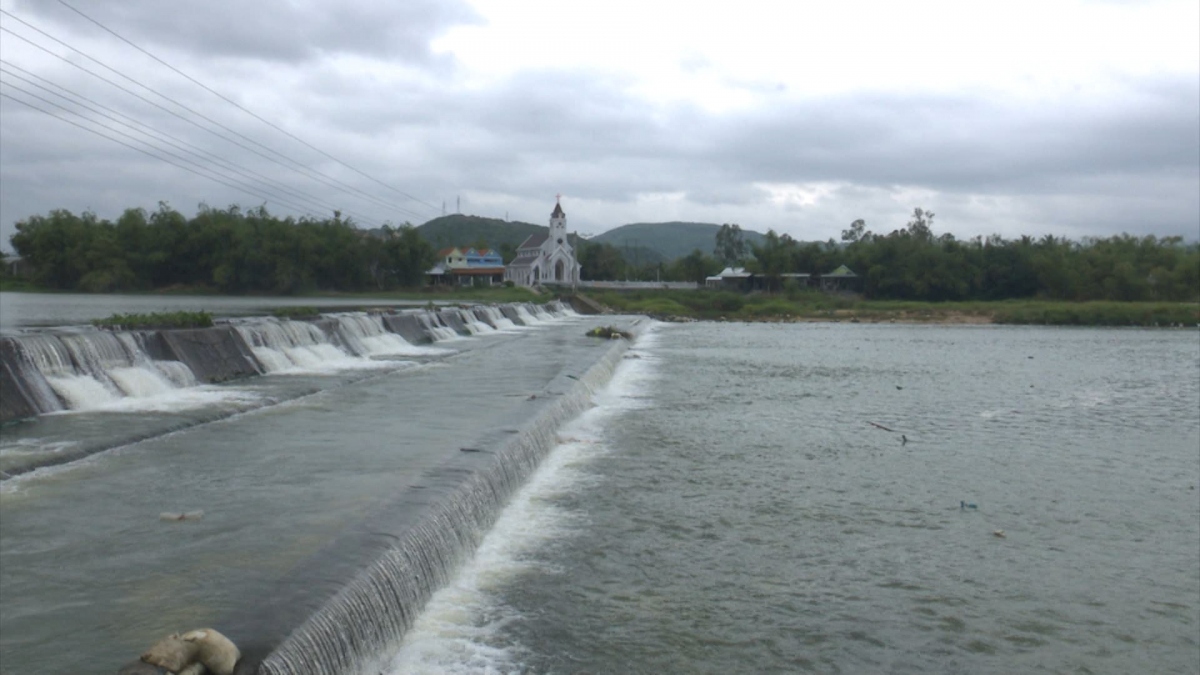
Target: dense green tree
774	257
231	250
695	266
601	262
914	263
730	244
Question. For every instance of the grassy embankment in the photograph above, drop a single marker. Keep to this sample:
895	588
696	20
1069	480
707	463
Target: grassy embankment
495	294
816	306
18	285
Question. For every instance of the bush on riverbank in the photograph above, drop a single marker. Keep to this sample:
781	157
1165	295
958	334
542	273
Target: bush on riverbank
1101	314
295	313
155	320
814	305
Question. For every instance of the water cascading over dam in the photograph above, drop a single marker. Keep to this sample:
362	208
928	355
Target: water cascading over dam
87	370
328	521
409	547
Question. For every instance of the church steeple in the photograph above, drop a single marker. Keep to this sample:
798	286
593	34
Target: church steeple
558	223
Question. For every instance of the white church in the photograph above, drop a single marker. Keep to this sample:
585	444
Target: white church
546	258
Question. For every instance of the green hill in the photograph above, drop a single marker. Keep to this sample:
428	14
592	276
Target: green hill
638	256
462	230
671	240
640	243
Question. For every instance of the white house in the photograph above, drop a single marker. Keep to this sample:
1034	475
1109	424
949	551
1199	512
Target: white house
546	258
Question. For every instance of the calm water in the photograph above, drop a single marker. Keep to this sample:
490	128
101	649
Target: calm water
728	508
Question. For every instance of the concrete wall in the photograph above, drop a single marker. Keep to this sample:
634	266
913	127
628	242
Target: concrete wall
16	402
510	311
408	327
214	354
453	320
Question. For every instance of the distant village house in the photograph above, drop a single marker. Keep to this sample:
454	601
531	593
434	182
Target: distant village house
467	267
740	279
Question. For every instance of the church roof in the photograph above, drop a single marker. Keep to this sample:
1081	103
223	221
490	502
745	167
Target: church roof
558	212
534	240
522	262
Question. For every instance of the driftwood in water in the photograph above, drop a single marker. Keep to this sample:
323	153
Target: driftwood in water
880	426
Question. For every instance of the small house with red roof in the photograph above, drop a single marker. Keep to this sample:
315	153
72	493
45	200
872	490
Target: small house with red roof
457	266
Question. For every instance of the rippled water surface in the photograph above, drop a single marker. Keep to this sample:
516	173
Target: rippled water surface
730	507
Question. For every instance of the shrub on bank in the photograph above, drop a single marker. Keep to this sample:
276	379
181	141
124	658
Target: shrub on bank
295	312
1099	314
155	320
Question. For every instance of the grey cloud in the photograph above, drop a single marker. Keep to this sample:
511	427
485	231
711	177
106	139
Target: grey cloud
955	143
1091	166
274	30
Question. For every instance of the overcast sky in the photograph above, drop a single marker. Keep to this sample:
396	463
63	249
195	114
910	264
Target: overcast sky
1065	117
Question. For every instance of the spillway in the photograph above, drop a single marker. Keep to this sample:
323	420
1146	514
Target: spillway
332	510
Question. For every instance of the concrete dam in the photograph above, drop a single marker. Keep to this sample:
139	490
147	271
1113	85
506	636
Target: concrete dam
344	467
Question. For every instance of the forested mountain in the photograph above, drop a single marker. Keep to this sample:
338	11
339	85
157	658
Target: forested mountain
671	240
640	244
462	230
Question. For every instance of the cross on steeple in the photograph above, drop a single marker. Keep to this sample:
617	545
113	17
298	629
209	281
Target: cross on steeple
557	198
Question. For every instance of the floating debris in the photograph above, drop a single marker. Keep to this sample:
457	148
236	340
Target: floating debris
609	332
169	516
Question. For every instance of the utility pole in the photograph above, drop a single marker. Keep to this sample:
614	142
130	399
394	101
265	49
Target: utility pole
458	205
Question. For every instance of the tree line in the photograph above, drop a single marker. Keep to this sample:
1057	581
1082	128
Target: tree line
251	251
229	250
912	263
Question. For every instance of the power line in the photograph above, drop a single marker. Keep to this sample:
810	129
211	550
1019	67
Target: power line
298	209
327	180
163	137
239	107
172	112
302	169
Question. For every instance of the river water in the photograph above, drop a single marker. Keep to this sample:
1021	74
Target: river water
729	508
743	498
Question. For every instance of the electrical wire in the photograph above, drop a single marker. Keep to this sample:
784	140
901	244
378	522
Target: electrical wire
161	136
294	164
297	209
239	107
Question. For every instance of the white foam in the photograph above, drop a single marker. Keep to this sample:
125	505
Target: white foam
528	318
456	633
390	344
501	322
144	380
81	392
33	446
169	400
